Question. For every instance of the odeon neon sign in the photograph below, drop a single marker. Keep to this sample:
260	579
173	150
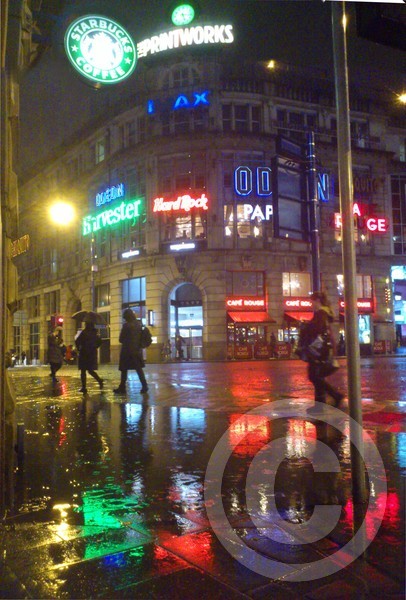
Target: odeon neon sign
125	211
243	181
183	203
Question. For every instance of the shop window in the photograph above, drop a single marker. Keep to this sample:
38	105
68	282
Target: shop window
245	283
296	284
102	293
246	226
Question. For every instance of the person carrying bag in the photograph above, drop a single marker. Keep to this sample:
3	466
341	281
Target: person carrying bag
317	348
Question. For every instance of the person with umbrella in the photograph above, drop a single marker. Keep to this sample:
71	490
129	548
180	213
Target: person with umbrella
87	343
131	351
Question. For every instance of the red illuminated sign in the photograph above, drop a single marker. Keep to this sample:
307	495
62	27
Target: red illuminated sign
372	223
183	203
364	305
298	303
249	303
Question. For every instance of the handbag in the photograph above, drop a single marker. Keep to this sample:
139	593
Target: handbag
319	348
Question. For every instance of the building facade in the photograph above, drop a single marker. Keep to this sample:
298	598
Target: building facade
192	208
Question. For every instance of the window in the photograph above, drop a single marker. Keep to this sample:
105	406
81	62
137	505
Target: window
363	282
296	284
134	295
245	283
100	151
51	302
33	303
241	117
102	295
398	189
34	341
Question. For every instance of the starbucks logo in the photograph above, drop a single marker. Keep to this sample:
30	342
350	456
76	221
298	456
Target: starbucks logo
100	49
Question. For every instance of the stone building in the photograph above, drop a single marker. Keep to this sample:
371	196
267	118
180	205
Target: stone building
191	203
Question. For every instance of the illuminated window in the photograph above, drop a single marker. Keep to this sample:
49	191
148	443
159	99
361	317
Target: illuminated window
134	295
34	340
363	282
296	284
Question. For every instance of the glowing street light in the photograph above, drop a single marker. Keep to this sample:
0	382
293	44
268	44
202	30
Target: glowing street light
62	213
402	98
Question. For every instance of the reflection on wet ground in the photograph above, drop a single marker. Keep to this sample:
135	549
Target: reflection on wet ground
108	500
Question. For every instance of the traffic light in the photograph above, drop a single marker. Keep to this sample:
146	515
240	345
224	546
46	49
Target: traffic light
56	321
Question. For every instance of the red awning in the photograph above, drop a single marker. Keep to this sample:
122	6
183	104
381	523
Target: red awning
251	317
299	316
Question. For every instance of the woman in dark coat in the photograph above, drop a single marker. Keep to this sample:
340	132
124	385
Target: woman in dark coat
131	351
319	325
87	343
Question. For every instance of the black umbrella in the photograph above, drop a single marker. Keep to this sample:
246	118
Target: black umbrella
89	316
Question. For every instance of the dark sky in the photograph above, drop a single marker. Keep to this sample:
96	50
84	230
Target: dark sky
55	102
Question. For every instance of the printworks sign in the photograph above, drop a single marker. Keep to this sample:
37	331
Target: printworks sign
100	49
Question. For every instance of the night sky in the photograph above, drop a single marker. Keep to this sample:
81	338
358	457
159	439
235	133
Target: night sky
55	102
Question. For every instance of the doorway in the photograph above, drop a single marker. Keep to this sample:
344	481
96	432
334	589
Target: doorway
186	321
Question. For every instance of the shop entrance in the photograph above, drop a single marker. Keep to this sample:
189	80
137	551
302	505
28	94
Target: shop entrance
186	322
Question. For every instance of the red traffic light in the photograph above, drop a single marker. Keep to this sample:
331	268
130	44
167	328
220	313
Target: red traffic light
59	320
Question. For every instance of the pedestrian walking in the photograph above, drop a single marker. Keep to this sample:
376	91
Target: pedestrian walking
179	341
55	351
131	351
87	343
320	325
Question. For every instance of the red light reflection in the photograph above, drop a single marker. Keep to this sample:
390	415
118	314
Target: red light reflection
248	433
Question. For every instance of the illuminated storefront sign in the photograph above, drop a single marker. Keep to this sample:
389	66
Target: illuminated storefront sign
130	253
197	99
183	203
123	212
258	212
20	246
188	36
182	246
100	49
249	303
243	181
363	305
295	303
110	194
372	223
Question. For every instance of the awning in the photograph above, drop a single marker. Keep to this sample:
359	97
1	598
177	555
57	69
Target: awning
299	316
256	316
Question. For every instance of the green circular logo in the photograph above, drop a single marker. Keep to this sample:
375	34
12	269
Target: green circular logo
100	49
183	14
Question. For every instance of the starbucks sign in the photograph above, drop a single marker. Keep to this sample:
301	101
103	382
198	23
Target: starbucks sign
100	49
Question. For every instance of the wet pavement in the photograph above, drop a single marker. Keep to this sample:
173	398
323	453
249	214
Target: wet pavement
122	496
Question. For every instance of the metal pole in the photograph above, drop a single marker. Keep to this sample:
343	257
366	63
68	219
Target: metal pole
314	211
93	269
348	245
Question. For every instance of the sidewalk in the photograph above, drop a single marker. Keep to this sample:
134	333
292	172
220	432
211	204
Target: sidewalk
109	498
